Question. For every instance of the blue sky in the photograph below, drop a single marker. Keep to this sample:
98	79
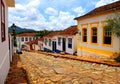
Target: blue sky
50	14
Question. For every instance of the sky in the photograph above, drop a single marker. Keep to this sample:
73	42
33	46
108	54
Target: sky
50	14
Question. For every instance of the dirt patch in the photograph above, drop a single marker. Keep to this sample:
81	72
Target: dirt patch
17	73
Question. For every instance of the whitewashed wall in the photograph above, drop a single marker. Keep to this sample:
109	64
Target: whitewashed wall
20	42
47	46
74	42
4	50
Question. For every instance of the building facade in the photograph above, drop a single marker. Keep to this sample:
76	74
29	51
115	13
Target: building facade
62	41
4	41
23	38
94	40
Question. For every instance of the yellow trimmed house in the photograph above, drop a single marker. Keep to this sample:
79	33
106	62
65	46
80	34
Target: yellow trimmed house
93	39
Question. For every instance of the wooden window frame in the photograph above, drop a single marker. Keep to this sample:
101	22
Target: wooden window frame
22	39
3	31
59	41
103	33
26	38
93	35
84	35
70	43
107	33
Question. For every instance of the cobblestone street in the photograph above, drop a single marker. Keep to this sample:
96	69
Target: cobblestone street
45	69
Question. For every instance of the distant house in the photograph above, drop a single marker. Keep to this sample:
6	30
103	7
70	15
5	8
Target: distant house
62	41
23	38
94	40
50	41
40	43
32	45
4	40
67	40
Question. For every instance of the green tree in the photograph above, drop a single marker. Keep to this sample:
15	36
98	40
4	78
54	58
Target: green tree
113	22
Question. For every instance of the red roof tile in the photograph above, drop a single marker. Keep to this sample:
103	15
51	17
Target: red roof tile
32	42
103	9
50	35
72	30
41	39
26	34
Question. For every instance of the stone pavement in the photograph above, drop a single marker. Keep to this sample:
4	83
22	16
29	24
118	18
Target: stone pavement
46	69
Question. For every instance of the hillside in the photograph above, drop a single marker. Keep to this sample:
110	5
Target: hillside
19	29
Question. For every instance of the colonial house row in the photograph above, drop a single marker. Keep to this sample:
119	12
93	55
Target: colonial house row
5	39
94	40
23	38
62	41
36	45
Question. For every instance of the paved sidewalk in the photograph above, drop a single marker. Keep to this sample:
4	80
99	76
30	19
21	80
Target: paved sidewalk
47	69
106	61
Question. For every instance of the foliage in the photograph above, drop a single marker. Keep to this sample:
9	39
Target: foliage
42	33
118	58
113	22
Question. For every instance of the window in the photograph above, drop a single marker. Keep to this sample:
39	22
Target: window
107	36
3	22
26	39
30	39
45	41
49	42
69	42
22	39
94	35
84	35
59	41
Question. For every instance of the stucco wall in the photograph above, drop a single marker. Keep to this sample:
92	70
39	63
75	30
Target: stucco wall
4	51
73	49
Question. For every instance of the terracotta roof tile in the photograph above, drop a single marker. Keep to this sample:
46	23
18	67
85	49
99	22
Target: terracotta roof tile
72	30
26	34
103	9
32	42
50	35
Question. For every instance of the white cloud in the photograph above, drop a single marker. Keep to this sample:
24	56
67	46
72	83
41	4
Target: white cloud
29	16
62	21
51	11
79	10
104	2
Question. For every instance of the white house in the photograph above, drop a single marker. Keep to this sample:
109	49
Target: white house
94	40
32	45
50	41
4	41
67	40
59	41
23	38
